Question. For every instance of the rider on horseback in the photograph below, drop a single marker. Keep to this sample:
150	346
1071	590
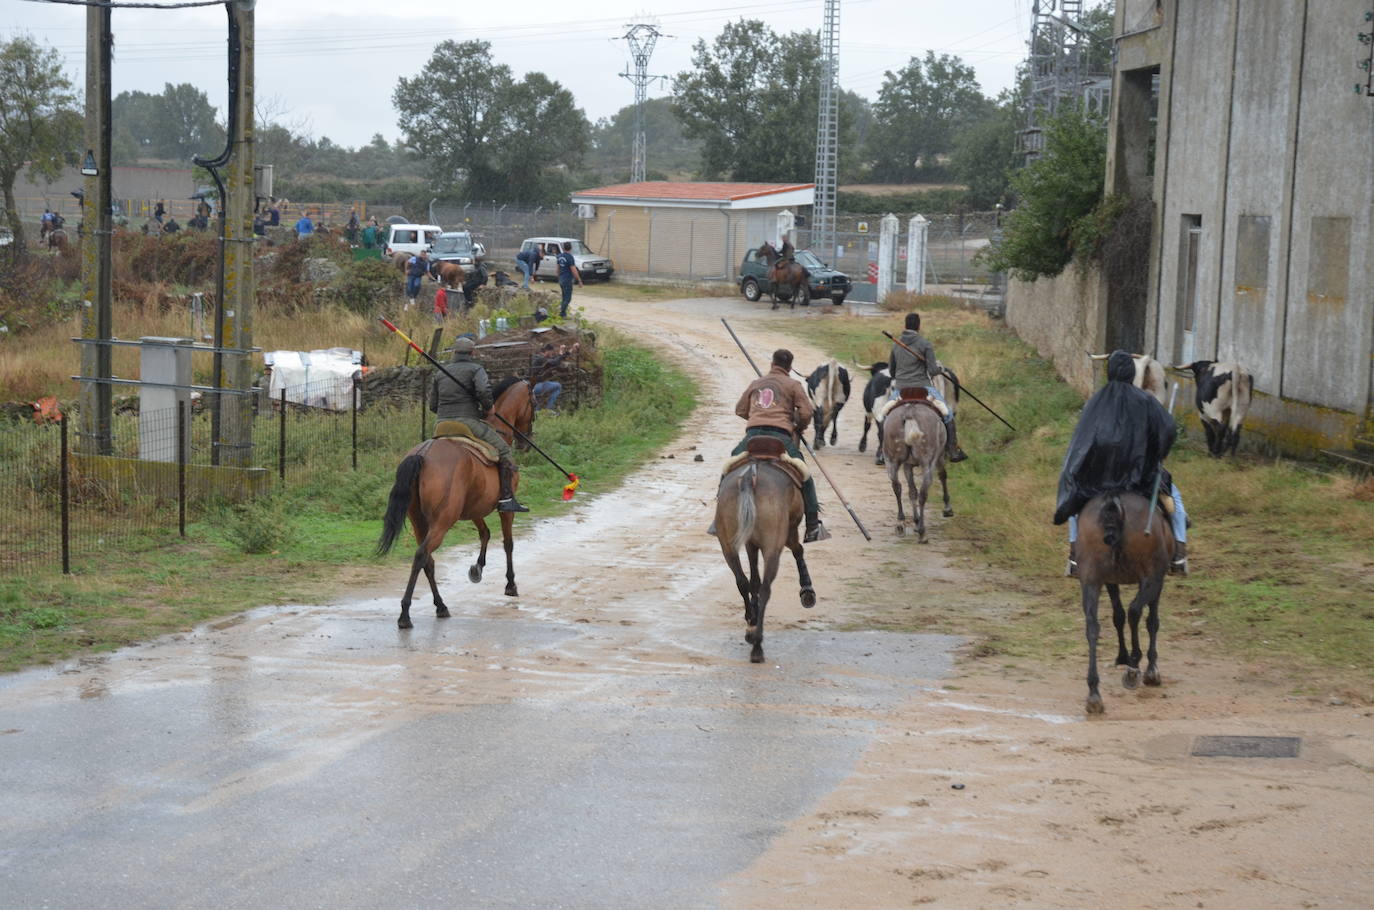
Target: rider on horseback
466	398
909	370
777	405
1119	445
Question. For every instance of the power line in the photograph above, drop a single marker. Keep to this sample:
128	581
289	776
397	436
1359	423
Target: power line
641	37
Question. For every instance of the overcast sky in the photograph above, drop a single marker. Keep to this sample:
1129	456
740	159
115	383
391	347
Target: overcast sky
331	65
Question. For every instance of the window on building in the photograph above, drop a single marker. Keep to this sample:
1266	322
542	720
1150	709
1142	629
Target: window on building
1328	260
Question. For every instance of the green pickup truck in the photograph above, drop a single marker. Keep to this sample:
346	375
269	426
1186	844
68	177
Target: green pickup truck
823	281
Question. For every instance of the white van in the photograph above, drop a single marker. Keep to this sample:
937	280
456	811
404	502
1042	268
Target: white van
410	238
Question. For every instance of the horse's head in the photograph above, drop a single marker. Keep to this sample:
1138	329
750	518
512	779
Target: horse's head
515	403
767	253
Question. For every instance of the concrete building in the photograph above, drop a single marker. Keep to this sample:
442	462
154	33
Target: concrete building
1245	128
687	230
135	189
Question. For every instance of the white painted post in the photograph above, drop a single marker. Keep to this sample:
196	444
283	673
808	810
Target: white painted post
887	254
162	360
786	222
917	230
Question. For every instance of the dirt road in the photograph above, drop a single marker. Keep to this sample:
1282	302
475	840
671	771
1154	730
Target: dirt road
603	741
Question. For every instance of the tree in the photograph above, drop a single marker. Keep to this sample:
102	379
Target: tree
175	125
752	99
1058	194
479	130
39	125
669	149
985	156
919	111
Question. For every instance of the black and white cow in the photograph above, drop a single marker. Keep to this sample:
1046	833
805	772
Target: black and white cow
875	393
1223	400
1149	375
828	388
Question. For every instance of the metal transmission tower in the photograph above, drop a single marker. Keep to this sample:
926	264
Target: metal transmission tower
641	37
1058	46
827	133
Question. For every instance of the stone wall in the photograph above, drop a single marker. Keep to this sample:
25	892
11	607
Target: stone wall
1063	318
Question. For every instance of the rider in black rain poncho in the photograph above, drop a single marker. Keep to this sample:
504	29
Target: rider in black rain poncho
1121	440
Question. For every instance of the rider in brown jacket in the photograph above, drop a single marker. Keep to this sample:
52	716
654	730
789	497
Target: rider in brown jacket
777	405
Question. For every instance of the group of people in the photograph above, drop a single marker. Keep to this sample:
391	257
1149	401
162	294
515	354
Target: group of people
528	260
1119	445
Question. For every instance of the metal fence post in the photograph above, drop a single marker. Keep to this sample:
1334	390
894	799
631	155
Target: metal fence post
281	440
355	426
66	502
181	468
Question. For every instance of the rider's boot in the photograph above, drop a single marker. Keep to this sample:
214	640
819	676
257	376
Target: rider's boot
508	501
1180	564
1071	570
952	443
814	529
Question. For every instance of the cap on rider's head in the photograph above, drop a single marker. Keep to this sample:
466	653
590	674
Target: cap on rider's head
782	358
463	346
913	321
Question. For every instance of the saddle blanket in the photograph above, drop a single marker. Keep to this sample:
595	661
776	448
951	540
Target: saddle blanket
795	467
457	431
940	407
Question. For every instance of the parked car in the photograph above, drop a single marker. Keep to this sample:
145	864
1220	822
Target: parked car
410	238
823	281
457	246
588	263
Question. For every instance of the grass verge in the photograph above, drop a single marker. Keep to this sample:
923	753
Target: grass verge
1282	556
316	535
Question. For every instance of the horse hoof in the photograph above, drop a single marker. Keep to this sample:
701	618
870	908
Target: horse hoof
474	574
808	597
901	530
1095	704
880	460
922	539
948	513
511	591
751	635
1131	678
404	623
863	447
756	657
441	612
1152	678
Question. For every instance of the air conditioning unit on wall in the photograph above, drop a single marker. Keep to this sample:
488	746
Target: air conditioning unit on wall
586	211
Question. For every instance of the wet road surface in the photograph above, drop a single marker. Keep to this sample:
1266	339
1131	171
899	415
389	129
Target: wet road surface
599	741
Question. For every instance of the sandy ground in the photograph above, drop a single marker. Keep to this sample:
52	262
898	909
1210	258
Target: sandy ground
990	790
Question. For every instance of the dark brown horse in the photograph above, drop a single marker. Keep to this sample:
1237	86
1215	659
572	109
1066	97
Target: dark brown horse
441	482
758	508
913	435
785	274
515	403
1113	550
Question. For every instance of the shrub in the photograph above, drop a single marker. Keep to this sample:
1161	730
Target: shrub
261	526
362	284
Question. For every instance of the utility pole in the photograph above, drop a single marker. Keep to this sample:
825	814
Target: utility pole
641	37
96	262
827	134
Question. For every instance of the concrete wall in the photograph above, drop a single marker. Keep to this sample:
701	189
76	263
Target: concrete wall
1063	317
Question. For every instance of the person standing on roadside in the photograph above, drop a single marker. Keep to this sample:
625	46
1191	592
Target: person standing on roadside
417	267
567	273
304	227
528	260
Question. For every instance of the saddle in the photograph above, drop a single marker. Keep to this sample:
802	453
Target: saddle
457	431
769	449
916	395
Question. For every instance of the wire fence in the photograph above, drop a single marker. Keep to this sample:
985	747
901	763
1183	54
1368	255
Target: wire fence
65	508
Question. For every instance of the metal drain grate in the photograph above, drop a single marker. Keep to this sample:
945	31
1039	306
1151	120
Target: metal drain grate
1246	746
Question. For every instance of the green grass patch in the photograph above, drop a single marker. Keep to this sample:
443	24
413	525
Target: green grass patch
1282	556
317	533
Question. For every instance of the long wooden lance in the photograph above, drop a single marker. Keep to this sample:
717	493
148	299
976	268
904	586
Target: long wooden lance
963	389
568	489
824	473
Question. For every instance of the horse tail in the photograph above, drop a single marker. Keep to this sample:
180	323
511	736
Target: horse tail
1113	520
911	431
407	479
832	384
747	513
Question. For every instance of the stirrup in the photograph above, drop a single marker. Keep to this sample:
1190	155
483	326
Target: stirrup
816	532
510	505
1179	567
1071	570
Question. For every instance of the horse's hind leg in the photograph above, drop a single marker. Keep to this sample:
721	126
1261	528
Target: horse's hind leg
440	608
808	593
770	571
944	489
1091	630
1131	677
751	606
893	476
484	536
508	542
416	565
917	492
1152	678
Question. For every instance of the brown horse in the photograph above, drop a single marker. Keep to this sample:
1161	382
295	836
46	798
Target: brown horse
449	274
758	507
515	403
1113	550
914	435
441	482
785	274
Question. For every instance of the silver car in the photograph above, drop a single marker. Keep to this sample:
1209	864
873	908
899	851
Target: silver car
589	264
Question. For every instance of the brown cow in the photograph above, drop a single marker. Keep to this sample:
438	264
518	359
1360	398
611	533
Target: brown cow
449	274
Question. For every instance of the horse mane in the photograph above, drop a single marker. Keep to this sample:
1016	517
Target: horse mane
502	386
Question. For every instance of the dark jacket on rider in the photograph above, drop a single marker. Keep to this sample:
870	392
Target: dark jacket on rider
468	398
907	370
771	400
1120	443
